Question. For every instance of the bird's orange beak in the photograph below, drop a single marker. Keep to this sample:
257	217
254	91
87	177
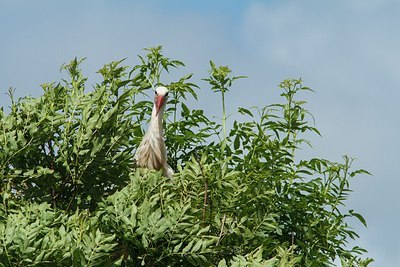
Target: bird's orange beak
159	102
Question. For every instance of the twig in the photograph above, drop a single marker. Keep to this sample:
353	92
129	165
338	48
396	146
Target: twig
205	198
293	237
196	157
222	229
72	198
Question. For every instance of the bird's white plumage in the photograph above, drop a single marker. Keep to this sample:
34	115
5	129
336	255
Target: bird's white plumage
152	153
161	90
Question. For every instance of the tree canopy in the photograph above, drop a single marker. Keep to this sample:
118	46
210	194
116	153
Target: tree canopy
71	195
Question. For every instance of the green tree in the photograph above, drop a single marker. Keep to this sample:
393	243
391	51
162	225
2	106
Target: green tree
70	195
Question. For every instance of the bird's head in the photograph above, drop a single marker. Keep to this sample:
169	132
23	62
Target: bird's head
161	97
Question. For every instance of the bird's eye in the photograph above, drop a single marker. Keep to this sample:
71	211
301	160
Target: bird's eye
166	94
155	92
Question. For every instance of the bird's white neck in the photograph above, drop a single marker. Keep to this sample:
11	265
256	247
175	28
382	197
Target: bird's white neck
151	152
156	124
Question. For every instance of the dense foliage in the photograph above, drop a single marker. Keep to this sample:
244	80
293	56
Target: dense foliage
70	195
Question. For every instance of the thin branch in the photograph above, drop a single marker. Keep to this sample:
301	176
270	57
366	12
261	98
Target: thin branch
222	229
205	198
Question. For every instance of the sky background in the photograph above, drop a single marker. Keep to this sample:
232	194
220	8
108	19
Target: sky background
347	51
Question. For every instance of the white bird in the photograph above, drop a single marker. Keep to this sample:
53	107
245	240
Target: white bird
152	153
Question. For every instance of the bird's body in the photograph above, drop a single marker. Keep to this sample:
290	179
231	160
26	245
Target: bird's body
152	153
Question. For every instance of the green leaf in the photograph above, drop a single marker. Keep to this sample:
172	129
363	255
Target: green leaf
177	247
188	247
72	195
197	246
222	263
245	111
359	217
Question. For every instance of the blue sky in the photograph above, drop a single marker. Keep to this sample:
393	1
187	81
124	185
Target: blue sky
347	51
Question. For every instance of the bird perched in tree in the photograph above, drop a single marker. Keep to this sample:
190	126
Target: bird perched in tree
152	153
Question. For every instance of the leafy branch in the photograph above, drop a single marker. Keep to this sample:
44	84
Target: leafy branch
70	195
